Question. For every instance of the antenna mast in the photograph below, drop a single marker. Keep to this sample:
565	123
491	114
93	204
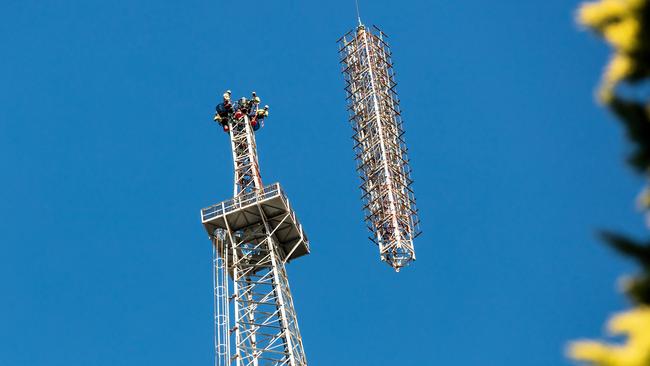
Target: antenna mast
382	162
254	235
356	2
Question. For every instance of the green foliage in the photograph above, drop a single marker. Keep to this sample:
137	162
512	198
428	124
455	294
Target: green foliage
625	25
638	287
636	119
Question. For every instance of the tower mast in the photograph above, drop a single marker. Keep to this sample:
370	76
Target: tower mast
380	150
254	235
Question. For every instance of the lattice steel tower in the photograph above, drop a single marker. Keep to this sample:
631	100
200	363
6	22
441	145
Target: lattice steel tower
253	235
382	163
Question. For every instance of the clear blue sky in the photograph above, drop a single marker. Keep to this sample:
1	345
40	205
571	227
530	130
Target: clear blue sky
108	152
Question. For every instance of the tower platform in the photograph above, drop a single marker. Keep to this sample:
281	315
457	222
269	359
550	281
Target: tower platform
246	211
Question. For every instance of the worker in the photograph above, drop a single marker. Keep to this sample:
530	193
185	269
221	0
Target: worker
242	108
253	105
222	116
226	100
258	120
223	111
263	113
255	99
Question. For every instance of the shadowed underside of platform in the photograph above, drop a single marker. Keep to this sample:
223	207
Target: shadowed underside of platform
246	212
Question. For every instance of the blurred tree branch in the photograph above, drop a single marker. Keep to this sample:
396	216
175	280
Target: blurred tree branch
625	25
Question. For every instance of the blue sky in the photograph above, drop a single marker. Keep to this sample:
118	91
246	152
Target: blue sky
108	152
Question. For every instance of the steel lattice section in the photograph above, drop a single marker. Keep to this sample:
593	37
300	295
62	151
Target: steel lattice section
254	235
244	154
380	150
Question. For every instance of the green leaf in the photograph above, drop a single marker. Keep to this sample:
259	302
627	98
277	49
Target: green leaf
636	119
628	247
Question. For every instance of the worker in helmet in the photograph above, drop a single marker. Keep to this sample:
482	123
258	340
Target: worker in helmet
242	108
222	118
262	113
226	105
222	113
255	100
224	110
253	105
258	120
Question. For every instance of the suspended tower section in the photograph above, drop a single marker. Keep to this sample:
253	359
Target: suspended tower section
380	150
254	235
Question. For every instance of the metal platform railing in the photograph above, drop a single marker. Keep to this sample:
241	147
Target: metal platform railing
244	200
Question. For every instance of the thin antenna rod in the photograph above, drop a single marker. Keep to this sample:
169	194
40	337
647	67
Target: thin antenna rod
358	14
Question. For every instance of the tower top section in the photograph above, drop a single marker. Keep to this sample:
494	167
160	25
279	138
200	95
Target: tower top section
228	109
380	149
240	120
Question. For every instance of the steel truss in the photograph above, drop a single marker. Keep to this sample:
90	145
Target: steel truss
380	150
254	235
244	155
